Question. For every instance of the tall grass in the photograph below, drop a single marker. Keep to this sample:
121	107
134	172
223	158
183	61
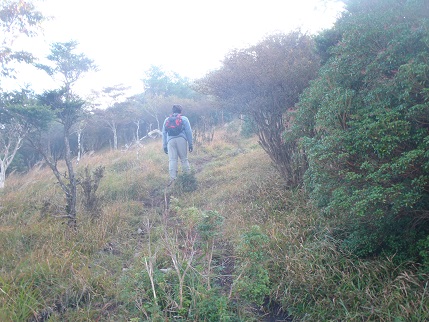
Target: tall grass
234	249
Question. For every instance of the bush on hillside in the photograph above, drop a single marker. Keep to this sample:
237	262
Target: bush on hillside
364	126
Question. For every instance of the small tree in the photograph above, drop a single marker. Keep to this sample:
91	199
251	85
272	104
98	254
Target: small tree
68	109
112	115
15	111
16	18
89	183
158	83
264	82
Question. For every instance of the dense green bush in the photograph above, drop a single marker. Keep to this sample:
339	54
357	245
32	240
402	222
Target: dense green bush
364	126
248	128
186	182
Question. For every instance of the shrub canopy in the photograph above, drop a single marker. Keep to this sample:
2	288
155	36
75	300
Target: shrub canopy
364	125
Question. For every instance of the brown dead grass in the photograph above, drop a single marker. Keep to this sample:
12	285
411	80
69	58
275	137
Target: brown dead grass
235	178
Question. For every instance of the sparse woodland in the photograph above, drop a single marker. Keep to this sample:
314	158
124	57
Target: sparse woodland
308	198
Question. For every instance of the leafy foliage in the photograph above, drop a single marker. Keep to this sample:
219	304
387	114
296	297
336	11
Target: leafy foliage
157	82
364	126
20	116
66	63
16	18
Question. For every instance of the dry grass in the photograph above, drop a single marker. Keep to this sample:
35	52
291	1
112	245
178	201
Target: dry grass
108	270
59	268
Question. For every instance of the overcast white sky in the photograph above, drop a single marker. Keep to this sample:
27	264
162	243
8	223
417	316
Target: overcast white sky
190	37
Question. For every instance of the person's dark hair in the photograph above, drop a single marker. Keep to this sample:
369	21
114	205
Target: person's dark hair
177	109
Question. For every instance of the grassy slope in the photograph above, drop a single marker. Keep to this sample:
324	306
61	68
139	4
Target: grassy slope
271	242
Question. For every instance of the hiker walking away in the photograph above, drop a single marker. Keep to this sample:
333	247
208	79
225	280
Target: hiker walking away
177	141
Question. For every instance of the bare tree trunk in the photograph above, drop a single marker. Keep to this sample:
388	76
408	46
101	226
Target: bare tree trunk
137	123
9	150
79	131
79	145
66	181
157	121
115	139
71	192
152	111
112	126
2	174
285	155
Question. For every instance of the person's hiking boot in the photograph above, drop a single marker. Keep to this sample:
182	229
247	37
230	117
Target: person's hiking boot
170	182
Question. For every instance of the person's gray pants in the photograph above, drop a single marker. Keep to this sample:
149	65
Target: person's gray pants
177	148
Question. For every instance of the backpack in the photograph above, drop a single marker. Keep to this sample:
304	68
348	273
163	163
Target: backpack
174	124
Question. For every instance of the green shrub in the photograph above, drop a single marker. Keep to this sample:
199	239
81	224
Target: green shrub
386	236
186	182
212	306
252	283
363	126
423	248
249	128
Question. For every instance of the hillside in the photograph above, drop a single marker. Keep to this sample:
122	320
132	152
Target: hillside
241	247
